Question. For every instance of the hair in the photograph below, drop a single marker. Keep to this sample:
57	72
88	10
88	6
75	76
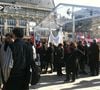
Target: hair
8	34
60	44
94	40
50	44
19	32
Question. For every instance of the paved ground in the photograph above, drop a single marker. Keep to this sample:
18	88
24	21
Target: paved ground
53	82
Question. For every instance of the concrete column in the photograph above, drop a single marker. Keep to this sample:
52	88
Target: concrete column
27	28
5	26
17	23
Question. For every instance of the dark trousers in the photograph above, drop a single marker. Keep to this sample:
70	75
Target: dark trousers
71	72
82	64
51	66
94	68
59	68
16	83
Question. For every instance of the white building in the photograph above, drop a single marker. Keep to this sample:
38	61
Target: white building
18	13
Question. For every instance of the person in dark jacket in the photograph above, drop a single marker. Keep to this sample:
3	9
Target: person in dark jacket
22	58
81	58
71	64
50	57
60	57
43	52
94	58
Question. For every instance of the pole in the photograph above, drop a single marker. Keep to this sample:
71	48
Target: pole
1	32
73	20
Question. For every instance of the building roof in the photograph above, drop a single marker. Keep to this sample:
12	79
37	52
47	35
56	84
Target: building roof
39	3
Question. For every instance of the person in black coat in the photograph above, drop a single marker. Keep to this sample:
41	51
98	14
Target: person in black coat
60	57
71	64
81	58
94	58
55	58
50	57
43	57
22	59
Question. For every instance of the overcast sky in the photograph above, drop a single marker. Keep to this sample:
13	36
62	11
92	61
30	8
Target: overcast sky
79	2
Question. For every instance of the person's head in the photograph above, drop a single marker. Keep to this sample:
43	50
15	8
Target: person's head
18	33
60	45
50	44
94	41
85	43
8	38
72	45
80	43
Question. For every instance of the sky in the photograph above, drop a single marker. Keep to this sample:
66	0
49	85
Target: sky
80	2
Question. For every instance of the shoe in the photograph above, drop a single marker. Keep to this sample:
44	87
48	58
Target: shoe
66	81
60	74
72	80
83	72
50	71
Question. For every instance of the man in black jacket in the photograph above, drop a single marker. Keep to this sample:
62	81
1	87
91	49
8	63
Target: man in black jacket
94	59
22	56
50	57
60	57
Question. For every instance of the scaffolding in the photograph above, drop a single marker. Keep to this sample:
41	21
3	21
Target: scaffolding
65	14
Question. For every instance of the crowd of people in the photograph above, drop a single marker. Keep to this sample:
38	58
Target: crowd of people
18	55
74	56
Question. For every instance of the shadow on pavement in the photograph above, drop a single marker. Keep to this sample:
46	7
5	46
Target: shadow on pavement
84	84
49	80
53	79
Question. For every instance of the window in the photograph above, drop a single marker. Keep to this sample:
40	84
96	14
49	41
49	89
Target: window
22	22
10	29
1	21
11	21
1	30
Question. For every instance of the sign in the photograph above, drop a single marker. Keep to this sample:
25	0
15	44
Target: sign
1	7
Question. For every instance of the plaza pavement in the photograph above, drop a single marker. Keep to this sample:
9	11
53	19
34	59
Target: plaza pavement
54	82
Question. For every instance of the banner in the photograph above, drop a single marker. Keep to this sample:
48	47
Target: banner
56	40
